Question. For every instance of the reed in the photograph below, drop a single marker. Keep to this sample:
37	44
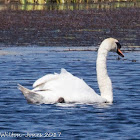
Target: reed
41	2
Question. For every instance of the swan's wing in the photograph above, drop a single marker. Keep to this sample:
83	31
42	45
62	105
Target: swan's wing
71	88
44	79
49	77
63	84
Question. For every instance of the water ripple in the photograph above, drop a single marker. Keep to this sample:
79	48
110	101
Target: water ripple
76	121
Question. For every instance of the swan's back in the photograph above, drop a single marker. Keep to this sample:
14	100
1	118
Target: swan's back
66	86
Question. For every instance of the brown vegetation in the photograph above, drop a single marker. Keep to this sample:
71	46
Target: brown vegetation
69	28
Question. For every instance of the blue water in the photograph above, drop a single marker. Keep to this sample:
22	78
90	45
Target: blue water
20	120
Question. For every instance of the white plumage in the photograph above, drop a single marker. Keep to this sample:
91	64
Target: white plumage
65	87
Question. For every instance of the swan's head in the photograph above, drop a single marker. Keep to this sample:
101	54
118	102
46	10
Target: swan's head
112	44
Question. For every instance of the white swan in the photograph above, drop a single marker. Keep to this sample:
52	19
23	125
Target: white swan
65	87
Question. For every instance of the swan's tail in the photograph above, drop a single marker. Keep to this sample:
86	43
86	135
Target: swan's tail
31	96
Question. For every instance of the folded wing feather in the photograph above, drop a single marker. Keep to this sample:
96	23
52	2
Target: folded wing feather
44	79
48	77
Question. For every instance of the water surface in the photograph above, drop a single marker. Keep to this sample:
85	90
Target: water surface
120	120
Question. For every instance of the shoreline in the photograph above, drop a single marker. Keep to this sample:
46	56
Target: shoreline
69	28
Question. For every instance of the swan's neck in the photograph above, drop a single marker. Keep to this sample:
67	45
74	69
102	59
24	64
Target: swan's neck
103	79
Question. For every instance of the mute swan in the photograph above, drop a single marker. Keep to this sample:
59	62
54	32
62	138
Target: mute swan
64	87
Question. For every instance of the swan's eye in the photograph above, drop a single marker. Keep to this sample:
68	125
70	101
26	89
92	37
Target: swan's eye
118	49
118	45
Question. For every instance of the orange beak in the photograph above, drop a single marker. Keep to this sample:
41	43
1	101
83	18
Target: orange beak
120	52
